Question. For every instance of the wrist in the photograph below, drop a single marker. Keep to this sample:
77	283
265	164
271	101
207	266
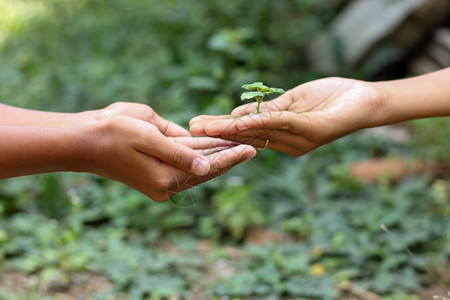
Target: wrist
384	110
80	141
86	146
373	109
67	149
398	101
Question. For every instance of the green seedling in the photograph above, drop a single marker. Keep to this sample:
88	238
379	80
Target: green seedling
258	91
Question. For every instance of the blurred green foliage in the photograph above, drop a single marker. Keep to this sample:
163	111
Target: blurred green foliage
183	58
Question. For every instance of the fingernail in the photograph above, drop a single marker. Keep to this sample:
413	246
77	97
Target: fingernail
200	166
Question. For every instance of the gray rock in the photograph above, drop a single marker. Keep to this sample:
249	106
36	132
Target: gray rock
359	30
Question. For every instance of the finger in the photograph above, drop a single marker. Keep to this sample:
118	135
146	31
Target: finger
175	130
220	162
175	154
245	109
209	117
196	124
291	144
309	125
198	130
191	182
206	152
292	150
199	143
272	120
224	160
289	150
280	103
169	128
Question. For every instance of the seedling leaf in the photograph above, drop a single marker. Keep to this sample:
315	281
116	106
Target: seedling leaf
250	95
276	90
255	86
259	91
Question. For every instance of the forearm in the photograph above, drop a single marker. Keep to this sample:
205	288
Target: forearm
33	150
417	97
10	115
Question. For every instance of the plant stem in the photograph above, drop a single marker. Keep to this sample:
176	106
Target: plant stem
259	100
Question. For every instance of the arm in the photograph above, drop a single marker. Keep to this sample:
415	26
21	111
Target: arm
127	142
417	97
122	148
25	124
32	150
320	111
10	115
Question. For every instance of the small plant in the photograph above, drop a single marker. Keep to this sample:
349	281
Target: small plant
258	90
432	274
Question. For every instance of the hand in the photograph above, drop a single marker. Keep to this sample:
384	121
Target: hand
302	119
136	153
141	112
181	157
127	142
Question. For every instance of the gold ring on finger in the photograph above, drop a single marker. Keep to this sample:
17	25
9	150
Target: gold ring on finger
265	146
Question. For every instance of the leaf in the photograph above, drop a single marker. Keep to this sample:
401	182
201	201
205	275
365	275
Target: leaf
276	90
310	287
250	95
255	86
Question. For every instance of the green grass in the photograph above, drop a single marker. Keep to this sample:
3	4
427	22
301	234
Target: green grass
186	58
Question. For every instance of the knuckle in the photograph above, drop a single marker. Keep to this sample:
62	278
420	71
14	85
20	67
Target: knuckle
148	112
229	136
109	111
118	106
290	95
243	123
177	157
114	122
161	185
285	123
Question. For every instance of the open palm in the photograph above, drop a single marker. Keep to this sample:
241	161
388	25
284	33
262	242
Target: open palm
300	120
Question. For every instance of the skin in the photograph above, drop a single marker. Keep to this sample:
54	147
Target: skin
127	142
318	112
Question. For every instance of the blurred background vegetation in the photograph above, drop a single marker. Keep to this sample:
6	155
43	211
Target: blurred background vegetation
273	228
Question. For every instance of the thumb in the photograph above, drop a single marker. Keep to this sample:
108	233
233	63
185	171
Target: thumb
169	128
175	154
244	109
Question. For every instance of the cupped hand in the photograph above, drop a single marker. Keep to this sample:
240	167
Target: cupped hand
137	153
302	119
141	112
